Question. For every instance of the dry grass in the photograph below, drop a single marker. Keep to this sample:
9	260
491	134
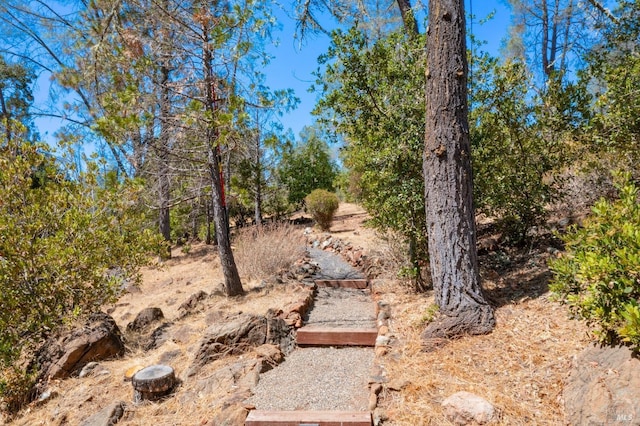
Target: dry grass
165	286
519	367
264	251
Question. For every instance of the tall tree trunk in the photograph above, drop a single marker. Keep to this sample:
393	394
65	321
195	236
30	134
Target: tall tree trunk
257	184
164	186
544	49
448	181
408	18
232	283
6	116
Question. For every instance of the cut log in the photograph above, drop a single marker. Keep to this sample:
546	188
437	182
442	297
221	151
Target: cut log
153	382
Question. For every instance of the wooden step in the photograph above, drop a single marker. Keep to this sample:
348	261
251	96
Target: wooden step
359	283
304	418
322	336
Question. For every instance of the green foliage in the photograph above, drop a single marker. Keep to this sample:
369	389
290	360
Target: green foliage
322	205
67	246
599	275
517	140
307	166
16	96
429	314
613	73
373	97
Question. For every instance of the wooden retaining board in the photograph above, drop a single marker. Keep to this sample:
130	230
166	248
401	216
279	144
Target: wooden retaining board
321	336
303	418
359	283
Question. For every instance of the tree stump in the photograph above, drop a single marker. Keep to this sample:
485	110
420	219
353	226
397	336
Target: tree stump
153	382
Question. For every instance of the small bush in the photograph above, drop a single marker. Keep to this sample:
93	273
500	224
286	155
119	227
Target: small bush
599	275
322	205
15	390
263	251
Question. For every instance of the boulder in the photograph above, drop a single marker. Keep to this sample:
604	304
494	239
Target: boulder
99	339
603	387
193	303
240	375
279	333
157	337
238	334
108	416
234	336
465	408
145	318
93	369
233	415
270	355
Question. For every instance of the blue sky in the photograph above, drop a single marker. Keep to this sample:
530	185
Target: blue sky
293	65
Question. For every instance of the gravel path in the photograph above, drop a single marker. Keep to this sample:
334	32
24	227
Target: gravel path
332	266
317	379
324	378
342	308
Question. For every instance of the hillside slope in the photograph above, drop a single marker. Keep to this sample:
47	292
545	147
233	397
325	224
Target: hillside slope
519	367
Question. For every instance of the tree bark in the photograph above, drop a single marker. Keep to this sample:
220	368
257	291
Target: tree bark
4	113
448	180
164	184
257	177
232	283
408	18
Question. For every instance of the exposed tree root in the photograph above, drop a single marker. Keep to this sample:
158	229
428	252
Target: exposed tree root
472	321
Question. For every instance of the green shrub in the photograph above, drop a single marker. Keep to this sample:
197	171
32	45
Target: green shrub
69	242
599	274
322	205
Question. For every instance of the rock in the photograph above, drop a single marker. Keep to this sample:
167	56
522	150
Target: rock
145	318
234	415
464	408
382	341
373	401
235	336
169	356
108	416
140	336
131	371
192	303
241	375
381	351
93	369
153	382
99	339
603	387
47	395
280	333
379	416
271	355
